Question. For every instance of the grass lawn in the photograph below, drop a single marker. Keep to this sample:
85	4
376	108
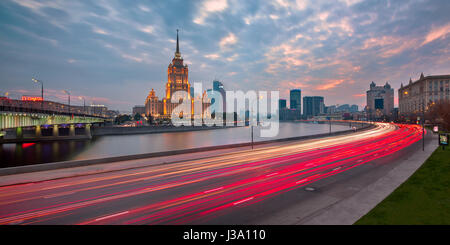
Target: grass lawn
423	199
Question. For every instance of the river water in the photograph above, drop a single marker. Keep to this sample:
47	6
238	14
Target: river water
108	146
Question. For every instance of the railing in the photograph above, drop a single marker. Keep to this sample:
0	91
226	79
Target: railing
40	111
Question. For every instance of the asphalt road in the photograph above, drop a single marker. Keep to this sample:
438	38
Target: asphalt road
244	187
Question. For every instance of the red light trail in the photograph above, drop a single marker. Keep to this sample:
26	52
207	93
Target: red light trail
198	190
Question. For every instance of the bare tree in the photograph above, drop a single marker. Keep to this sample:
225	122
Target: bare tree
440	113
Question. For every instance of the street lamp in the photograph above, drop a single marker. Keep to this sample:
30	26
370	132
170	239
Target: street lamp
249	121
68	93
423	125
42	91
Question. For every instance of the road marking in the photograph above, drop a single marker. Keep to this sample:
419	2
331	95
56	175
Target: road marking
336	168
216	189
112	215
241	201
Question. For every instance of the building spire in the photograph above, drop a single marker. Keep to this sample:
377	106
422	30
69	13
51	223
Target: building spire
177	53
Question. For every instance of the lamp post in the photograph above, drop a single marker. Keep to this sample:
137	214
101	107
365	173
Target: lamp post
423	124
42	91
249	121
68	93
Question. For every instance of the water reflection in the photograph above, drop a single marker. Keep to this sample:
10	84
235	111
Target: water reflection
107	146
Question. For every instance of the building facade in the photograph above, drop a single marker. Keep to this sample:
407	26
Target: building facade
295	97
313	106
177	80
138	109
281	104
380	101
417	96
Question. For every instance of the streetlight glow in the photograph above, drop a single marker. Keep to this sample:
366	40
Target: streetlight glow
42	90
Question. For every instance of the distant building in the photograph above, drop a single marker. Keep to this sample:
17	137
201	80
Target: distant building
281	104
380	101
313	106
295	97
287	114
218	87
192	92
417	96
139	109
354	108
330	109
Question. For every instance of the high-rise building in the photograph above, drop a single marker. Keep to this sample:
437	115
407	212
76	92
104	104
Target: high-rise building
192	92
380	101
281	103
417	96
177	80
313	106
295	97
218	87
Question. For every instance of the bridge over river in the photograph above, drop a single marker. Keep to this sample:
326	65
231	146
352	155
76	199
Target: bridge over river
22	121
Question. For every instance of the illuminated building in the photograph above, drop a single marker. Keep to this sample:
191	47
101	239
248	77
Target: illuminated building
177	80
417	96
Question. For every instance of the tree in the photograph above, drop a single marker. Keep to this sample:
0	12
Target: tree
440	113
137	117
121	119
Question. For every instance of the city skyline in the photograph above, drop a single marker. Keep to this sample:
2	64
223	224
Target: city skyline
114	55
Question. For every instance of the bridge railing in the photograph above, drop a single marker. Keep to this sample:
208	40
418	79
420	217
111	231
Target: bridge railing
6	108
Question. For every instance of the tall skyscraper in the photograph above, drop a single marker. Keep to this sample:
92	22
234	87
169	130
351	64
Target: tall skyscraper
312	106
295	97
218	87
177	80
177	75
282	103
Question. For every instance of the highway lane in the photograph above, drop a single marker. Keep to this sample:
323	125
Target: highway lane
198	191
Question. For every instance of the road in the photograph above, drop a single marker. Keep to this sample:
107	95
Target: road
232	188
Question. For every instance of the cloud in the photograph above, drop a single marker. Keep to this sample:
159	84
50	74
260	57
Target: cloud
144	8
437	33
208	7
388	46
147	29
212	56
99	31
34	36
228	41
330	84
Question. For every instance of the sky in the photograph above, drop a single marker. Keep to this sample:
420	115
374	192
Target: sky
114	52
